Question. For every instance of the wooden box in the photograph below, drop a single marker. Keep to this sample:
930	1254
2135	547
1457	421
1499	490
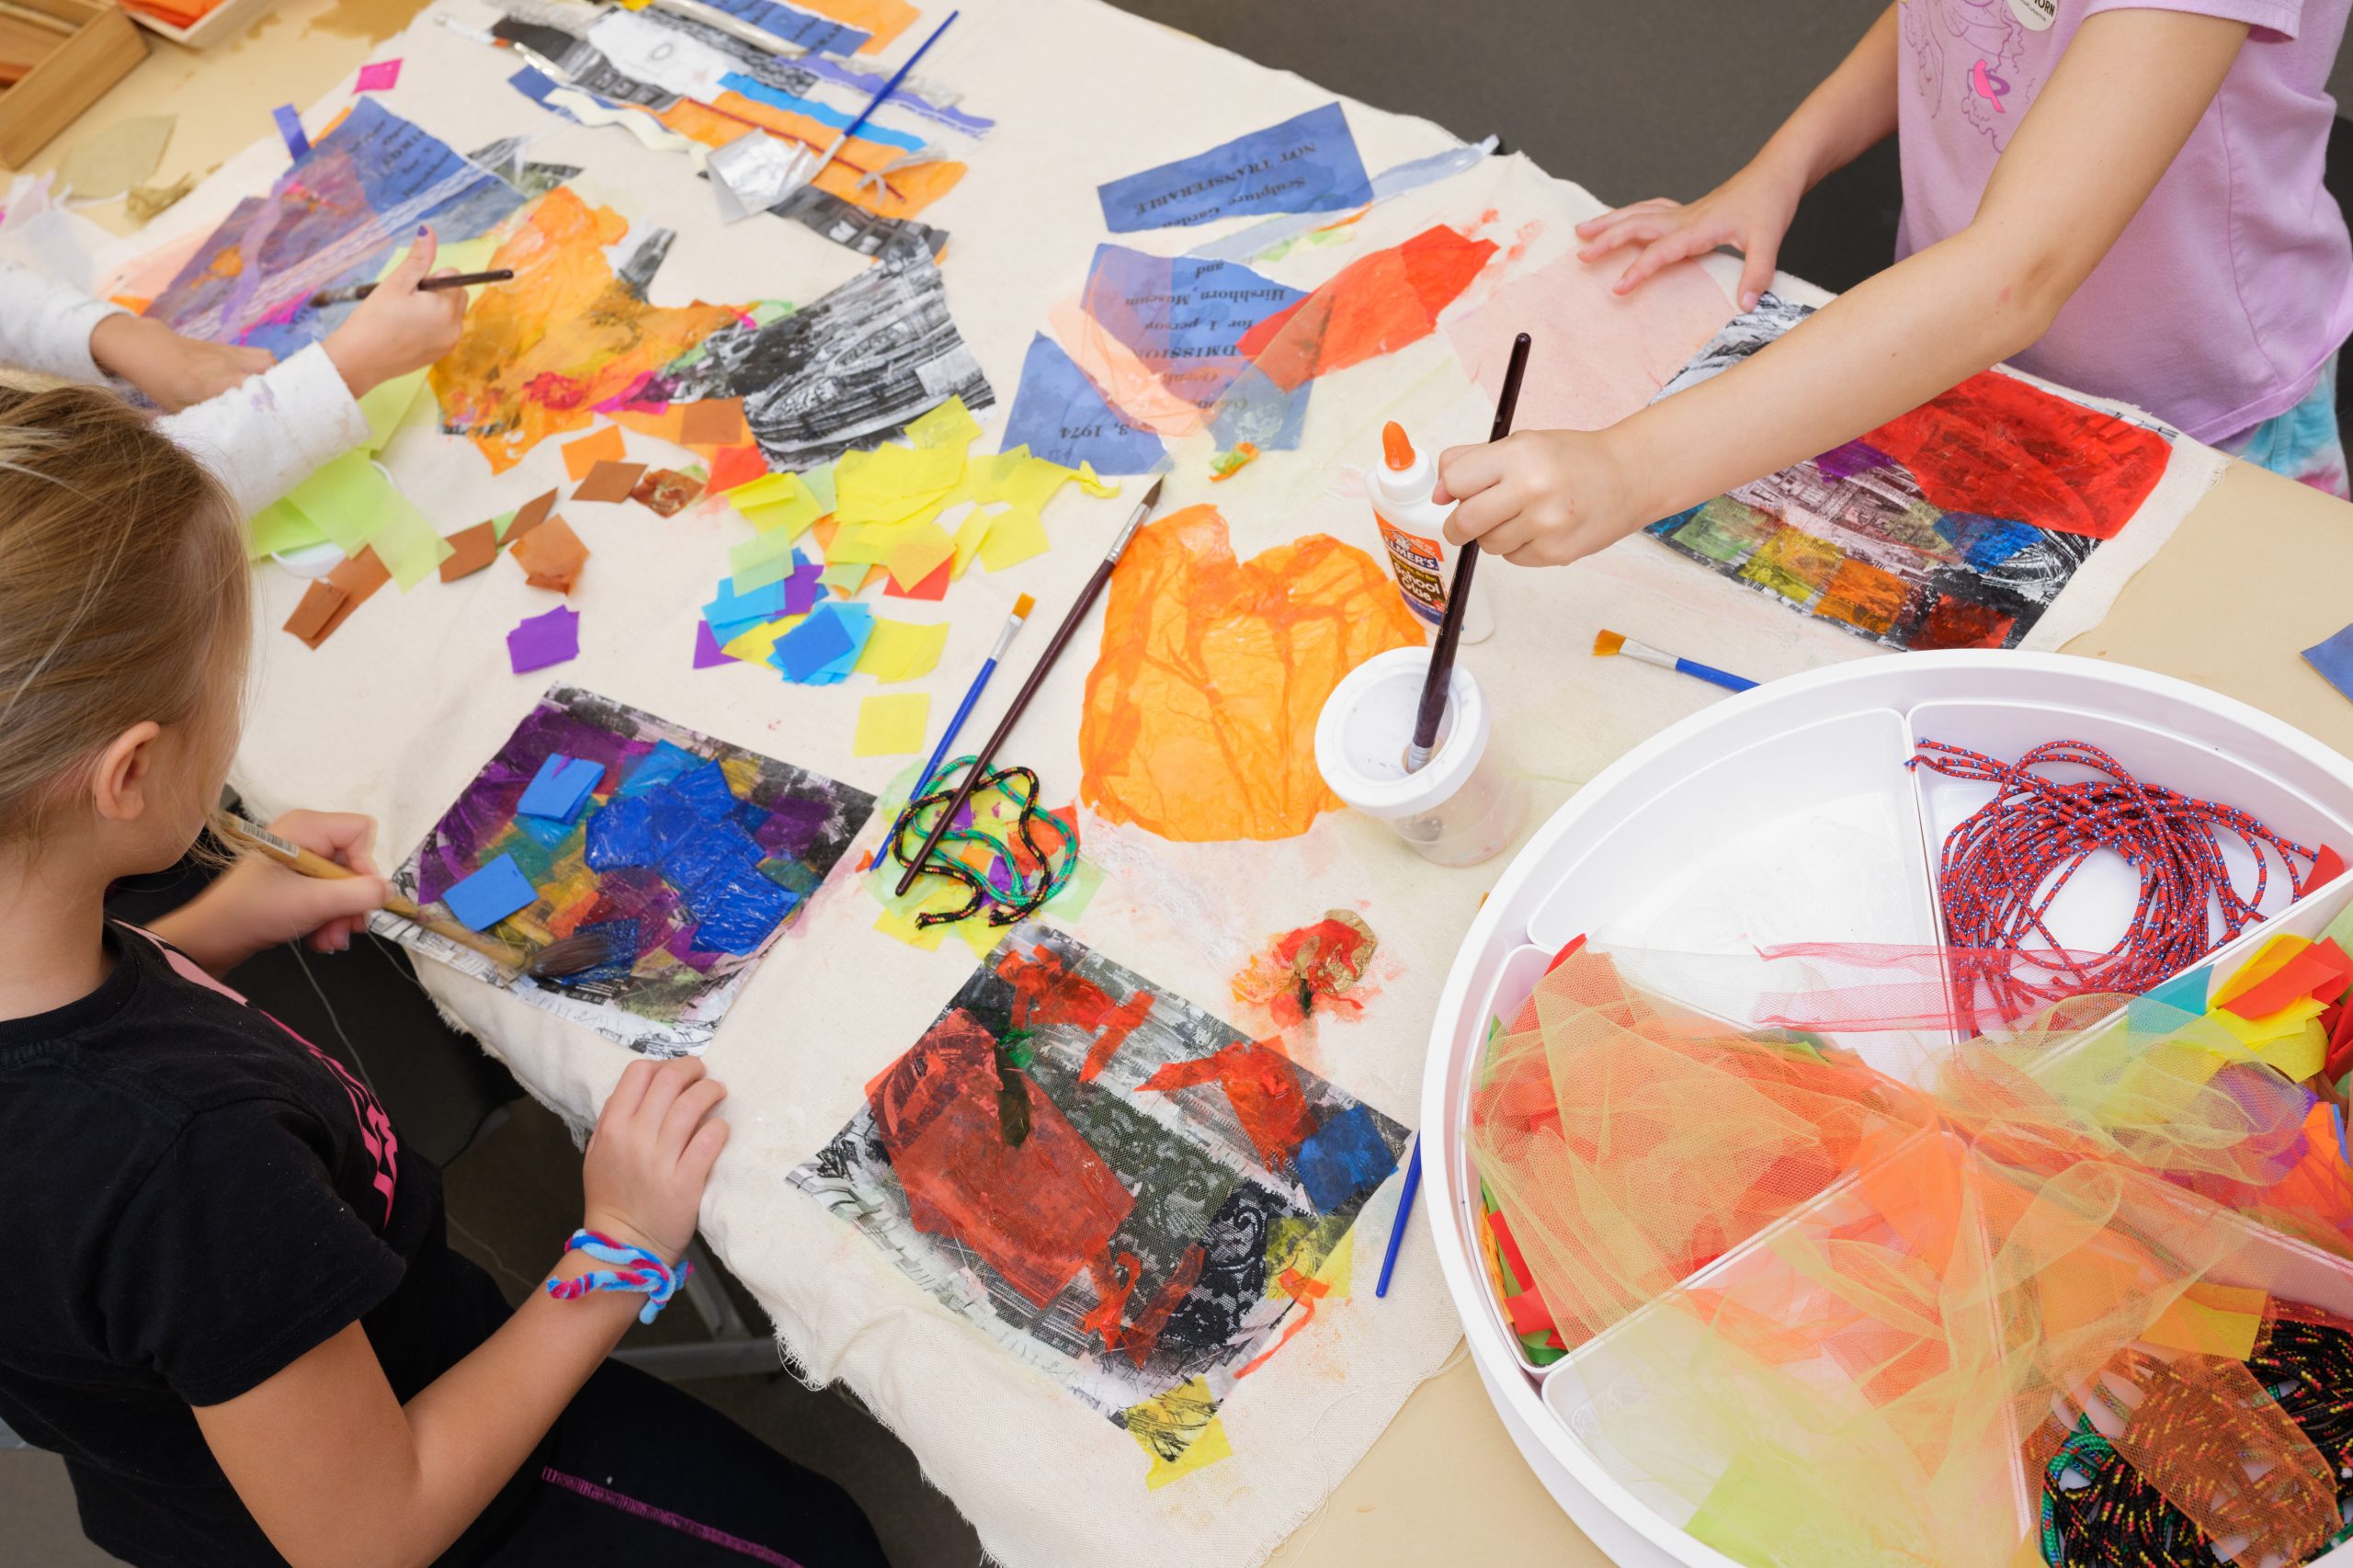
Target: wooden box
73	69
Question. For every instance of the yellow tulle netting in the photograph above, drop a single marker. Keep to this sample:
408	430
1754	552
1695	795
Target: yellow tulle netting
2075	1294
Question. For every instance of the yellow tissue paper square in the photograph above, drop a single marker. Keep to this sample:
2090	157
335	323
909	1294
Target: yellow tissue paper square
1015	536
757	563
891	724
977	933
868	544
918	552
2297	1056
951	424
755	646
789	507
768	489
969	535
891	485
895	923
2286	1022
901	650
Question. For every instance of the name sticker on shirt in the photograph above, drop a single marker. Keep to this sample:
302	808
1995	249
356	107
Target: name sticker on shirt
2035	14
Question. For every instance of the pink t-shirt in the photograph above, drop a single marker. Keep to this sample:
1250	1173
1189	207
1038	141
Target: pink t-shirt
2233	284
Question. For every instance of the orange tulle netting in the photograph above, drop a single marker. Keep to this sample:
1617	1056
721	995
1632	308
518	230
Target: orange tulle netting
1818	1314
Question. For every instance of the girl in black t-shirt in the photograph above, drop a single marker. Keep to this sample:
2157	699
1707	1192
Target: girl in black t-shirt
231	1308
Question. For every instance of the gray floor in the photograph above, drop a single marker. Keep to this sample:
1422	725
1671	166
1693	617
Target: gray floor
1632	99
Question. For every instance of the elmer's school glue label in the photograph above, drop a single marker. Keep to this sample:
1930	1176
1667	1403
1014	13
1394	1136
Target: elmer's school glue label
1413	527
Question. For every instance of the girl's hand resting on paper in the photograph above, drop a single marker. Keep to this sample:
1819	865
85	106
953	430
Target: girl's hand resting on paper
172	371
258	904
1540	497
650	1155
398	328
1751	212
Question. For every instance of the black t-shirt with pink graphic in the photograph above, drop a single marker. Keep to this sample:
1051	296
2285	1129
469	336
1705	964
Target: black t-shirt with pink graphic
191	1197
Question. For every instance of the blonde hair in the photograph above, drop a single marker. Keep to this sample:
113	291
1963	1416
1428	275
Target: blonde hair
124	592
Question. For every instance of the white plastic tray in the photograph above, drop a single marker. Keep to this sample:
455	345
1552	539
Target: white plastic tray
1787	814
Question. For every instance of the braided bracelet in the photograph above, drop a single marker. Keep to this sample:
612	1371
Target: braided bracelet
635	1269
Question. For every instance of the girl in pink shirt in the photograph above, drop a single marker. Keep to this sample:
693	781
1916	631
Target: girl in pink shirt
2121	195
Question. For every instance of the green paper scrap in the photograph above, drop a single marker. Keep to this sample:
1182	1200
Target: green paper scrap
501	523
759	561
386	404
411	548
281	526
1752	1513
344	496
819	482
1086	881
351	503
848	576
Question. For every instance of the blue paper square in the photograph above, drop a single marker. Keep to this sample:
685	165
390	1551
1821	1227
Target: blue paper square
620	834
2334	660
2168	1006
491	894
813	644
707	790
762	604
559	788
664	762
1345	1159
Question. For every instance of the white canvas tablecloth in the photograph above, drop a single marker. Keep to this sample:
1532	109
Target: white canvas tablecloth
396	714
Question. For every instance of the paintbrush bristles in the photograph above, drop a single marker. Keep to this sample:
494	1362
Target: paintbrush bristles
1608	642
582	950
1022	607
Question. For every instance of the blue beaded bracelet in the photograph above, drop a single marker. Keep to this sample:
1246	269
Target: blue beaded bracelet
635	1269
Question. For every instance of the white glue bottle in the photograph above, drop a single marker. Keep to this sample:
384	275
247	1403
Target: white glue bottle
1413	526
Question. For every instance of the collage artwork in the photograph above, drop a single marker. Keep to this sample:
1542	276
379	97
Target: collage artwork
1107	1183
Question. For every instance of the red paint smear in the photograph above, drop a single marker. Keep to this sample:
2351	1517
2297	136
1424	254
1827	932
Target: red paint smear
1375	305
1308	971
1115	1281
1035	1213
556	390
1962	623
1263	1088
1302	1291
1146	1332
1045	992
1999	448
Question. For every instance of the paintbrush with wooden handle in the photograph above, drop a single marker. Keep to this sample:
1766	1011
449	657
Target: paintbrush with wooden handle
310	863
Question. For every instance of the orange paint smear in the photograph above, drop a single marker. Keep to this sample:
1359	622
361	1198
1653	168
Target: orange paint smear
1303	1292
1375	305
539	354
902	194
1200	720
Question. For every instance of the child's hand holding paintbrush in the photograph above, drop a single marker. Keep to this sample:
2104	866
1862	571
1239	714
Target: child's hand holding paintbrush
263	900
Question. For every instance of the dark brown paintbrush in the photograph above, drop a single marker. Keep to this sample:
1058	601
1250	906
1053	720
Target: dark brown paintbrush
1045	667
